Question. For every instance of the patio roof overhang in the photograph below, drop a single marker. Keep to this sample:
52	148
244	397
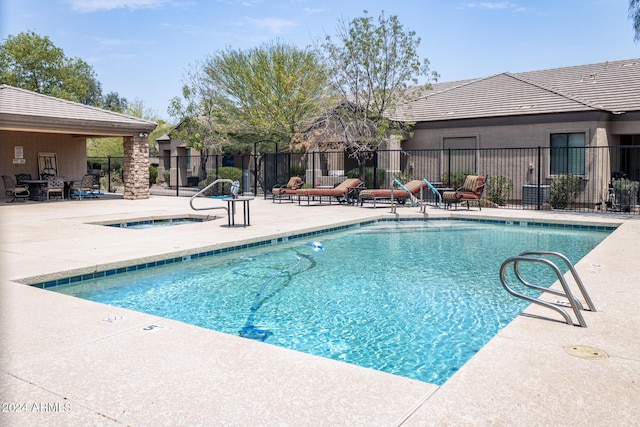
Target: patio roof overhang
25	111
76	127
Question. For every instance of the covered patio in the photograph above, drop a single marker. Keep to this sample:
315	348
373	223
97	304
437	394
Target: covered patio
35	127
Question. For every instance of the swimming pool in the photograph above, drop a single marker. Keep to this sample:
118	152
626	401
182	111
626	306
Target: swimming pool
416	299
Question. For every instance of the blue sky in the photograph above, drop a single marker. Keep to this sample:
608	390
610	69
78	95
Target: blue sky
141	49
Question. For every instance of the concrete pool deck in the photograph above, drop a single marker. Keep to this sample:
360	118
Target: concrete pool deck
66	361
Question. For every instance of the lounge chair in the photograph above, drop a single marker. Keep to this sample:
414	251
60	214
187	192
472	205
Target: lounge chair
17	191
400	194
343	192
471	191
287	191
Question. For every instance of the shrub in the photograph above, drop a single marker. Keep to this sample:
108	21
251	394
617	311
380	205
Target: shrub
455	179
498	189
626	192
368	176
225	172
297	171
153	175
564	190
403	177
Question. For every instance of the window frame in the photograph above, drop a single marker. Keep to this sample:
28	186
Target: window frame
574	158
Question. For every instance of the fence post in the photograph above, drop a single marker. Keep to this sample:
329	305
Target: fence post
255	169
108	174
539	192
313	168
375	169
265	158
177	176
448	167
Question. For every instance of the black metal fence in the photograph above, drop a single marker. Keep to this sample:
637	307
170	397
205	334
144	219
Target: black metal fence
107	171
570	178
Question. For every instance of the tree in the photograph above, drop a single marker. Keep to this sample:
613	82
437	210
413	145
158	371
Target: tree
371	67
201	125
113	102
33	62
105	147
269	92
634	14
113	147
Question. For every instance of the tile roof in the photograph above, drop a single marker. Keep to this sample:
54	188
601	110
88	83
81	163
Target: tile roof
612	87
21	109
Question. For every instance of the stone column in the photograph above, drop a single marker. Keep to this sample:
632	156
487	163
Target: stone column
136	167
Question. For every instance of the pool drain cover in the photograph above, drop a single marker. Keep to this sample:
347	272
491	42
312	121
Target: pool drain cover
585	352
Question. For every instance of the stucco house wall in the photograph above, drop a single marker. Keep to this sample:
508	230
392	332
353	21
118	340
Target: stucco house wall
71	153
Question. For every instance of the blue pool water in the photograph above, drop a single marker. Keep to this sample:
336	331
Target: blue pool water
416	299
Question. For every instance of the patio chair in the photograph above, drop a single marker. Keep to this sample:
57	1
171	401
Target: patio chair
288	190
471	191
400	195
343	192
84	186
55	186
22	176
16	191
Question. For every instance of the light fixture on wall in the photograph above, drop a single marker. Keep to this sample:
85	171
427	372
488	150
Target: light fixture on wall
143	134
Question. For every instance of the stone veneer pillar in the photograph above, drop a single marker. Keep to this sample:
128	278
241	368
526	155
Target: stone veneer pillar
136	167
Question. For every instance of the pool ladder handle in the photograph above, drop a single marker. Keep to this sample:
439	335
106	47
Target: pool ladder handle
423	203
217	181
575	304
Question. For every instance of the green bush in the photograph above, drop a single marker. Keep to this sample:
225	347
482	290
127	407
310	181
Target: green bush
498	189
368	176
626	192
455	179
403	177
225	172
297	171
564	190
166	175
153	175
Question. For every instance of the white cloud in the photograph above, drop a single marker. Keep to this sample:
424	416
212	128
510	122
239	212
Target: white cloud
496	5
273	25
87	6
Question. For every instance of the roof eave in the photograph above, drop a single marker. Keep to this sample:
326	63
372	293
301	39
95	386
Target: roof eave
17	122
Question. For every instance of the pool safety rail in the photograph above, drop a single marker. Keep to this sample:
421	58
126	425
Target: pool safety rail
435	192
412	198
571	301
217	181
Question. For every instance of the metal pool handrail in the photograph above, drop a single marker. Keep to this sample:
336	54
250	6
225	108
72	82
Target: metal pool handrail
402	186
217	181
574	303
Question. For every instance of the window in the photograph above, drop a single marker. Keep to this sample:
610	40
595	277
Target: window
567	153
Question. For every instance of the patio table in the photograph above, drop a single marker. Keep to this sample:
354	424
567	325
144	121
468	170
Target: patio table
231	210
36	186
